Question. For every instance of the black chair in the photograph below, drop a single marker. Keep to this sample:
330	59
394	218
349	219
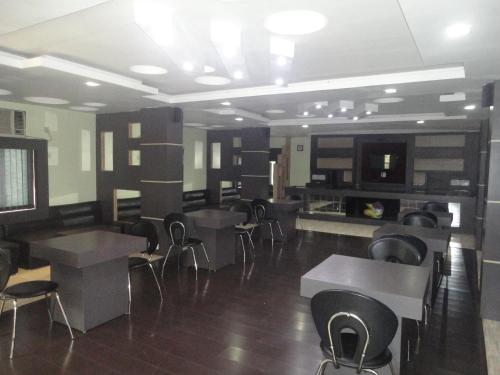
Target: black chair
246	228
420	219
398	249
355	330
29	289
435	206
146	229
261	210
175	225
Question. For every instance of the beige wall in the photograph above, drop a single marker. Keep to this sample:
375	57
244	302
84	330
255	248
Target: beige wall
72	176
194	179
299	160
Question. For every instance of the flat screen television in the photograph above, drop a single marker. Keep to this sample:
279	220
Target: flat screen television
383	162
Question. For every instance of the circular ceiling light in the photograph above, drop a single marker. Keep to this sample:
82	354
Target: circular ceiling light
238	74
470	107
208	69
239	119
391	91
92	84
193	124
212	80
188	66
275	111
295	22
148	69
226	103
45	100
458	30
5	92
279	81
305	126
388	100
355	118
420	122
330	116
281	61
94	104
83	109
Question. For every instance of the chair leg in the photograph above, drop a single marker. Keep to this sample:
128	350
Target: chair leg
129	295
195	263
1	308
417	346
252	245
156	279
206	256
271	229
279	227
370	371
49	309
13	338
391	367
165	261
242	247
64	315
322	366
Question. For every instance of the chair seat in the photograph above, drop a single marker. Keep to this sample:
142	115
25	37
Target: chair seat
30	289
192	241
137	262
245	227
349	341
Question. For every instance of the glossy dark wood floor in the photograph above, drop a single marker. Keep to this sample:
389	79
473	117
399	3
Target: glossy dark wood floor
240	320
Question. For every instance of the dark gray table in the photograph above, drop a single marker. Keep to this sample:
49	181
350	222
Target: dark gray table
92	272
400	287
216	229
285	210
444	218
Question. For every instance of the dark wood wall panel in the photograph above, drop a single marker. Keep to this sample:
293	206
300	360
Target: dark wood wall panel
255	163
152	167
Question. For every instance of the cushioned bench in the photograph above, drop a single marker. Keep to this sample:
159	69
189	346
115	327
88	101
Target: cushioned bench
229	196
129	209
194	200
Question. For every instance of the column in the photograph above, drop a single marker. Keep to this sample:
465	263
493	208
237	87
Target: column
255	163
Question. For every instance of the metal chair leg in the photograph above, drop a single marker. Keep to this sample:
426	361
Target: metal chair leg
165	261
391	367
370	371
322	366
129	295
49	309
252	245
271	229
417	346
279	227
242	247
156	280
64	315
1	308
13	338
206	256
195	263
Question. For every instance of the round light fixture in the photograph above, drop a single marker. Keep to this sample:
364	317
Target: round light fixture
305	126
343	109
420	122
279	81
5	92
188	66
281	61
318	106
492	107
368	113
330	115
458	30
238	74
295	22
305	113
390	91
148	69
92	84
212	80
355	118
226	103
239	119
208	69
193	124
94	104
470	107
46	100
388	100
83	109
275	111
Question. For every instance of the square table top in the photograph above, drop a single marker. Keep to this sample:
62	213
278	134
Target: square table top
88	248
401	287
285	204
216	219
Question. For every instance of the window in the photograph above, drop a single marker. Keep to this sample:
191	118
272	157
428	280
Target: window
216	155
272	164
17	190
107	151
198	155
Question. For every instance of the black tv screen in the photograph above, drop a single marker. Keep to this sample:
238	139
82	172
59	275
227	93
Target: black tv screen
383	162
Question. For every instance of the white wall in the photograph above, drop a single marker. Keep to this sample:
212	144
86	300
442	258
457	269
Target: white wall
72	175
194	179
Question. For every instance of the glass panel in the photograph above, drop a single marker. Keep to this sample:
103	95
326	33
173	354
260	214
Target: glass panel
237	142
216	155
16	179
107	151
134	157
134	130
198	155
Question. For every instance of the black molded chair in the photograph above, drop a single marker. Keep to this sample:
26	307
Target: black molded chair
246	228
261	210
398	249
29	289
420	219
146	229
355	330
175	225
435	206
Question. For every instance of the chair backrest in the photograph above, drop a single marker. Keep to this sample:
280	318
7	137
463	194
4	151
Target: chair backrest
435	206
398	249
259	207
175	226
242	207
335	311
144	228
4	269
420	219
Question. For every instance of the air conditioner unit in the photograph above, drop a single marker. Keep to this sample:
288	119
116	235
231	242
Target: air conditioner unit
12	122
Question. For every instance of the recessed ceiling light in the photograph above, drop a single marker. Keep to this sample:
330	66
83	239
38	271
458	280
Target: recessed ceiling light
390	91
305	113
305	126
343	109
226	103
420	122
388	100
355	118
458	30
330	115
275	111
208	69
281	61
295	22
318	106
193	124
470	107
83	109
492	107
239	118
217	126
5	92
212	80
368	113
148	69
238	74
46	100
94	104
188	66
279	81
282	47
92	84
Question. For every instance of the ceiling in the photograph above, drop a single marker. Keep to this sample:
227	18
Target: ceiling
52	48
